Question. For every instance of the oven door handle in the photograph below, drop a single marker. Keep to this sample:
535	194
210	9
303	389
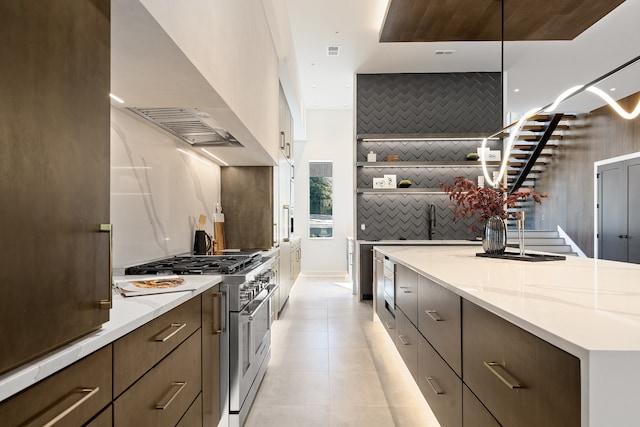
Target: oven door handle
251	314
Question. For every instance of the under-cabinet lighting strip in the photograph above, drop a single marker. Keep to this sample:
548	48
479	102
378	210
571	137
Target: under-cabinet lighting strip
425	139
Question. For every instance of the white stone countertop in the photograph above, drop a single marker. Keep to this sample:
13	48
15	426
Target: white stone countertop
587	307
126	315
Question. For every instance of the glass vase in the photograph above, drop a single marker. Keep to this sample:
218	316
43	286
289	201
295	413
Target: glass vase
494	237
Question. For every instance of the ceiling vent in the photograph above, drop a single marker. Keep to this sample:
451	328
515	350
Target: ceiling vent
189	124
333	50
445	52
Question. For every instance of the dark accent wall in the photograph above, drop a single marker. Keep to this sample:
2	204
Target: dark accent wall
445	104
599	135
429	103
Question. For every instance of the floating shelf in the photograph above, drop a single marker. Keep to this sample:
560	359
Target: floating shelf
463	163
399	191
423	137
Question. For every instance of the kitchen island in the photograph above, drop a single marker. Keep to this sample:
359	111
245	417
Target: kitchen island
582	309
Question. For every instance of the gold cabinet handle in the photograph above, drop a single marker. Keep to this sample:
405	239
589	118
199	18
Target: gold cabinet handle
434	385
162	337
216	313
176	388
402	340
499	371
434	315
108	228
388	325
405	289
85	393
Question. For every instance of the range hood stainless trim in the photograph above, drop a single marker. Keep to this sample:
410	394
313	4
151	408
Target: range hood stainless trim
189	124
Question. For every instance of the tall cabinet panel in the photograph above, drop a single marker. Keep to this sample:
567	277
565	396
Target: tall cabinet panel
54	161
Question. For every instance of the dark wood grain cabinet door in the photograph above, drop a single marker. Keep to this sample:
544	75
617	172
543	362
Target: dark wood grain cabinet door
522	379
474	414
407	292
439	320
407	342
70	397
439	385
54	166
212	328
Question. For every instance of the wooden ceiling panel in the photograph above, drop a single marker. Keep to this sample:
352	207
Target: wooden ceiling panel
480	20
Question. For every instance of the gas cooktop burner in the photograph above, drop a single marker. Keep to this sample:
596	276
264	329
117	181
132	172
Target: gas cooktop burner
201	264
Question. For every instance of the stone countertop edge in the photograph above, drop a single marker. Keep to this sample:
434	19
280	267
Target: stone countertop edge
422	242
127	314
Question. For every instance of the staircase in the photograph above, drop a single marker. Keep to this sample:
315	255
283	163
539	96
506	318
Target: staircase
544	241
533	149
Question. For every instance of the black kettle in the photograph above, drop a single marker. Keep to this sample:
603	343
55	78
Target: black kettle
201	243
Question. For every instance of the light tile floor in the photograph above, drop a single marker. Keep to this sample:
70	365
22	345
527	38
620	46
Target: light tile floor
331	365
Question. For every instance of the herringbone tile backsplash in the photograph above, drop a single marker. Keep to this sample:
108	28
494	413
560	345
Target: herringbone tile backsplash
429	103
403	104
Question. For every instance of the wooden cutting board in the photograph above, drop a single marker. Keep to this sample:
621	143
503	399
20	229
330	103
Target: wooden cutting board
219	232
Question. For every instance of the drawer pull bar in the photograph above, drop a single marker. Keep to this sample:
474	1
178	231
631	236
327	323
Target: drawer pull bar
388	325
434	385
176	388
86	393
178	326
405	290
434	315
403	341
499	371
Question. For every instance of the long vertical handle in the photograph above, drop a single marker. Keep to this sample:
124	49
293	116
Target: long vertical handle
287	208
216	313
108	228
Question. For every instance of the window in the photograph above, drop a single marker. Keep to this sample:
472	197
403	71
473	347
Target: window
320	199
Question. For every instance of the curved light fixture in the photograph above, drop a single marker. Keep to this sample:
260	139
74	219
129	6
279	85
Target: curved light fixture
513	134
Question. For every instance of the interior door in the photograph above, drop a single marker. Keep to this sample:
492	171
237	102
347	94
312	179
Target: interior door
633	210
611	213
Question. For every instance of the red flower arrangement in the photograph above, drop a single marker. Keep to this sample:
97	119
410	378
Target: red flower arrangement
470	199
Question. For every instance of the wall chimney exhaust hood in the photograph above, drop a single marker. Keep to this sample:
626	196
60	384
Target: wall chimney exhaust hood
189	124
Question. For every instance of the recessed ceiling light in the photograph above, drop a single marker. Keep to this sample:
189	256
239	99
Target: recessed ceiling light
347	85
314	86
612	89
516	90
315	105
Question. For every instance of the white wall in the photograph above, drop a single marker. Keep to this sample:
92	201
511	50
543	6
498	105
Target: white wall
329	137
157	192
230	43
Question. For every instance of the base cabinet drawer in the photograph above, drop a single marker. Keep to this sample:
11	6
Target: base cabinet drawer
407	342
440	386
105	419
72	396
163	395
520	378
193	416
474	413
407	292
439	320
135	353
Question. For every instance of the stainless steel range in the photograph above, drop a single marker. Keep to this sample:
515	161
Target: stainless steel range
248	284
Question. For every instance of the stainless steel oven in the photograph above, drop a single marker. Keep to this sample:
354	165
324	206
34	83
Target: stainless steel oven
250	350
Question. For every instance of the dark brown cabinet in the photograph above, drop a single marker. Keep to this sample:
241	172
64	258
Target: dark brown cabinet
407	342
407	292
439	320
212	328
474	413
72	396
521	379
384	310
54	161
440	386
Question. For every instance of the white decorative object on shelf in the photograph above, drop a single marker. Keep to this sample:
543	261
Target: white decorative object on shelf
489	155
371	157
481	181
389	181
378	183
